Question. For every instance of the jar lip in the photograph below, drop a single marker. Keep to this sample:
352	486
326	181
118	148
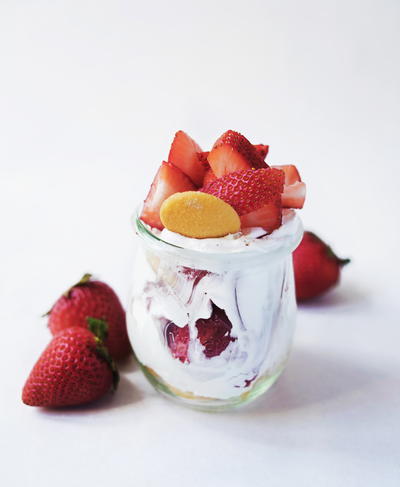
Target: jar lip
286	244
143	230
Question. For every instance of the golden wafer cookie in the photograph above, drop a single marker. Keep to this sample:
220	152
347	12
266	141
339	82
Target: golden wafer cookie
199	215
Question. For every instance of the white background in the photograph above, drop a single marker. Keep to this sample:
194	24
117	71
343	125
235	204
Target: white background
91	93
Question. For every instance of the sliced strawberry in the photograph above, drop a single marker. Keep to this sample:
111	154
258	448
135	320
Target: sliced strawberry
209	177
254	194
249	190
168	180
214	333
184	153
233	152
294	195
203	159
178	340
292	175
294	192
224	160
260	164
268	217
262	150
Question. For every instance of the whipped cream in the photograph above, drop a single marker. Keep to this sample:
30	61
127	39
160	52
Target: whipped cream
251	239
249	275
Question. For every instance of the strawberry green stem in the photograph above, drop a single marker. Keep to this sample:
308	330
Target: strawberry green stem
98	327
102	352
82	281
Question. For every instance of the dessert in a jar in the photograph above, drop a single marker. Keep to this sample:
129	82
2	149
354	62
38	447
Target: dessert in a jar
212	312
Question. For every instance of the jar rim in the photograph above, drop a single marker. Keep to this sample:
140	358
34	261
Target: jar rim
283	246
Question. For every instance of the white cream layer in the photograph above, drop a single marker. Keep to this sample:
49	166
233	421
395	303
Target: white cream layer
248	240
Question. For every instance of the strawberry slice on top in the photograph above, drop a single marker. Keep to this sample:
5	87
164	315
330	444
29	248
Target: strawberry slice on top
294	195
209	176
294	192
292	174
233	152
168	180
254	194
262	150
203	159
187	155
269	217
247	190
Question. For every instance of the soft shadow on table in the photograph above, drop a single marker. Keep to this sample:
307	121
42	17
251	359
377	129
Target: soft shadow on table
126	395
128	365
312	378
345	295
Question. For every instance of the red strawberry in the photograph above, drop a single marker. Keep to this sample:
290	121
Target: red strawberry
233	152
292	175
75	368
248	190
168	180
185	154
316	267
93	299
294	191
268	217
214	332
178	340
294	195
262	150
209	177
254	194
203	159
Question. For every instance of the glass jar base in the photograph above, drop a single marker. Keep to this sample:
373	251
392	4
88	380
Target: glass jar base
209	404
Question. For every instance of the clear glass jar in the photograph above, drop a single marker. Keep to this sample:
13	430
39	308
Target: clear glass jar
213	329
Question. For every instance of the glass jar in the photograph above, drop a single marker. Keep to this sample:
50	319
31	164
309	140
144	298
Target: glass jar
213	328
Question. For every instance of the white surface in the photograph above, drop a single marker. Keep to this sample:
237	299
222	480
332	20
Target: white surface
90	95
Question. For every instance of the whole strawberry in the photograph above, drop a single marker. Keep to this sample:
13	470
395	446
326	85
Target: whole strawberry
316	267
75	368
97	300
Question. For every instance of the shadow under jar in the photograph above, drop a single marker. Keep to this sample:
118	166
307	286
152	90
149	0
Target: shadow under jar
212	328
